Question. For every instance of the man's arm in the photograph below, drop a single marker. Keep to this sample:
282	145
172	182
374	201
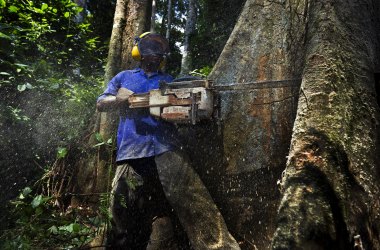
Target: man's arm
112	102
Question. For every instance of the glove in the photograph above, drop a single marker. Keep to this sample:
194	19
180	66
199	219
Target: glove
122	96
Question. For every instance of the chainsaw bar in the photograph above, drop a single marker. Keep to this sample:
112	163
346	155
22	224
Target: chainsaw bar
209	84
258	85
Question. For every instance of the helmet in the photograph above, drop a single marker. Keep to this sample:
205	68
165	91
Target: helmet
150	44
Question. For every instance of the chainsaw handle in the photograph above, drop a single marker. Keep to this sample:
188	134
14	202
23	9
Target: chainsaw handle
122	96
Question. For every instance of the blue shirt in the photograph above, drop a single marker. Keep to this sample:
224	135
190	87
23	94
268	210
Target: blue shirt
139	134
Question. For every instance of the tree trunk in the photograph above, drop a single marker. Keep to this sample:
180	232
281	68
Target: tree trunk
130	20
153	17
163	19
331	187
250	143
138	17
186	64
169	20
113	65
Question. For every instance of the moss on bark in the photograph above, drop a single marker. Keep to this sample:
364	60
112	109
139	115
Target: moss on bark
337	101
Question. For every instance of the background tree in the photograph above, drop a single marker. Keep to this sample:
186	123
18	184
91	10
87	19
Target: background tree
215	23
81	15
153	17
169	23
102	25
131	19
191	18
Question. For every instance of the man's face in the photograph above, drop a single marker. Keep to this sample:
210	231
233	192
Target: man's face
150	63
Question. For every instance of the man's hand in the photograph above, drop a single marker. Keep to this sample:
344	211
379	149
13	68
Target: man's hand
111	102
122	96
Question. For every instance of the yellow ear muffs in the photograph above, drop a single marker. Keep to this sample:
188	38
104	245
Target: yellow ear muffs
136	55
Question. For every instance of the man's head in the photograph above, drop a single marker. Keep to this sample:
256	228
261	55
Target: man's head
151	63
150	49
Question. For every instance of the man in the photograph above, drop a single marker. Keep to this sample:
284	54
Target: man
153	175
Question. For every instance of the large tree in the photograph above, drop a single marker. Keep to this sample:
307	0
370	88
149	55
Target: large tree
186	65
331	185
254	127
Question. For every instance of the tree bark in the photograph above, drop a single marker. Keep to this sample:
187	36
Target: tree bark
330	190
130	20
113	65
186	64
169	20
243	156
138	17
331	185
153	17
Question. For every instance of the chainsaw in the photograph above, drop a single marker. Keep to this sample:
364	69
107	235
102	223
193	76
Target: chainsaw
190	101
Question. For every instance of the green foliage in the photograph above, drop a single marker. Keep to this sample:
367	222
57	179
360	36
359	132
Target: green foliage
47	33
15	113
105	200
50	75
179	9
102	21
61	152
202	72
213	29
102	141
132	183
44	49
39	224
